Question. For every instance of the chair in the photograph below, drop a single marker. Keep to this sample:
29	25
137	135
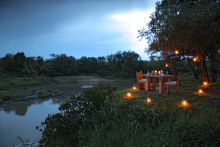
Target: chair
175	83
140	80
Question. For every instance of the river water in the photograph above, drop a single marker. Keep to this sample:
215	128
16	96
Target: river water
19	119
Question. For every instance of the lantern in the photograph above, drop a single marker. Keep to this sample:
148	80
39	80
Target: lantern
201	92
166	65
195	59
128	96
205	83
148	101
184	103
176	52
134	88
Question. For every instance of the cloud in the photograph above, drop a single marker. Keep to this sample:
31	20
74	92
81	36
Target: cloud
37	26
129	23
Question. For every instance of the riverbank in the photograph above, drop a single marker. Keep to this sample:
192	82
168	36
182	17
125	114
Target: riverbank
36	88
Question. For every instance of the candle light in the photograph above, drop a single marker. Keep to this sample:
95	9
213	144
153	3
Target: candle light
128	96
134	88
205	83
200	91
148	101
195	59
184	103
176	52
166	65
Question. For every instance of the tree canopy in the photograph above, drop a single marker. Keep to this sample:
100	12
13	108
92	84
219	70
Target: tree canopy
191	27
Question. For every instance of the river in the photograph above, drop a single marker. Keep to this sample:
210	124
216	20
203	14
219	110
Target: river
19	119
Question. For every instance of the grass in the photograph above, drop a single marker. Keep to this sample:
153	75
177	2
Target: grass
6	95
18	83
44	94
115	121
162	123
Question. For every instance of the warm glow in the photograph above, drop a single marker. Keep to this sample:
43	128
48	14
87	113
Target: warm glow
200	91
155	71
205	83
176	52
184	103
195	59
166	65
134	88
128	94
159	72
148	100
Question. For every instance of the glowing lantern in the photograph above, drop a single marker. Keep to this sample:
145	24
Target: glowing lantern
176	52
159	72
155	71
166	65
148	101
184	103
195	59
200	91
128	96
205	83
134	88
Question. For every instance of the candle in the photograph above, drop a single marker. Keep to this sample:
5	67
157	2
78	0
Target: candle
134	88
176	52
200	91
195	59
205	83
128	94
148	100
184	103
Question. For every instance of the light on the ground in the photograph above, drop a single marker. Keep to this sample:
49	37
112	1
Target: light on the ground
176	52
134	88
205	83
148	100
195	59
184	104
201	92
128	96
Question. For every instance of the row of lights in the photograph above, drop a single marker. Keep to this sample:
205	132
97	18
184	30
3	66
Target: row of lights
184	103
148	101
195	59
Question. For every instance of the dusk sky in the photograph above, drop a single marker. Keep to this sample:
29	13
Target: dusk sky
73	27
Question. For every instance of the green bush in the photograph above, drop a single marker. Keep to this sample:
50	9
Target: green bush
95	118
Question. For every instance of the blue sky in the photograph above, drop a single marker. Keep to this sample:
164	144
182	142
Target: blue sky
74	27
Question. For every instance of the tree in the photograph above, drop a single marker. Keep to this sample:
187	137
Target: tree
192	27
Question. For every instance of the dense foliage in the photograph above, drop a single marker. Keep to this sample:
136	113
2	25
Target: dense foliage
97	117
192	27
121	64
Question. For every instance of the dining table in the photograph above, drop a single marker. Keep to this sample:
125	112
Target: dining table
161	77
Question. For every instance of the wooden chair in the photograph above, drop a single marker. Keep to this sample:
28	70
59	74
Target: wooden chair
175	83
140	80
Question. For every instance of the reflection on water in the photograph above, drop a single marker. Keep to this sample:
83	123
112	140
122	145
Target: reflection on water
19	119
